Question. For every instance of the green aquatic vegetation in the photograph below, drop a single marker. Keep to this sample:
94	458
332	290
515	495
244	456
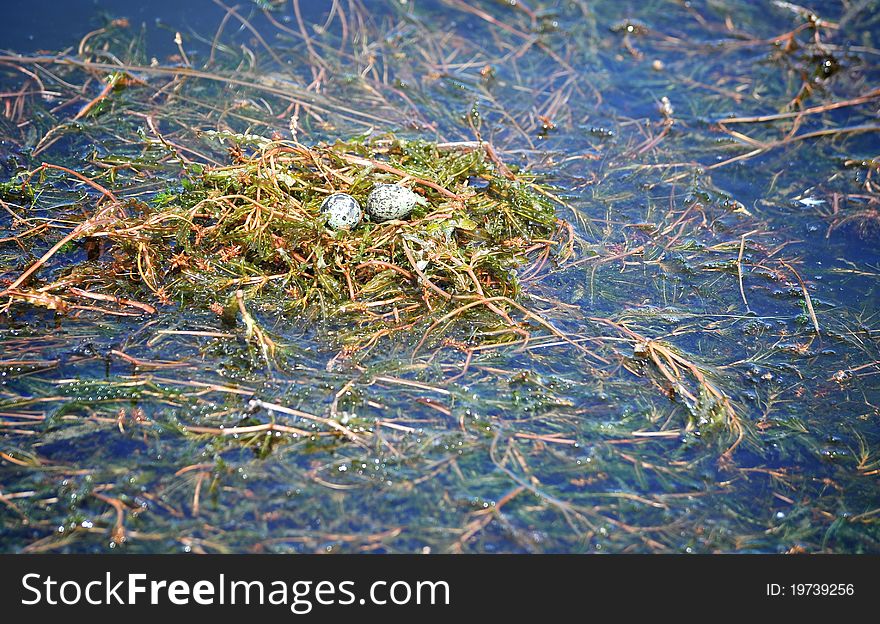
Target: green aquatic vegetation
691	367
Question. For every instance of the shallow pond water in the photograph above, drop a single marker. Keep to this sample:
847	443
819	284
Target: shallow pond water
712	378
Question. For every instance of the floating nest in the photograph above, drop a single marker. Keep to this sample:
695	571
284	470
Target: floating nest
233	233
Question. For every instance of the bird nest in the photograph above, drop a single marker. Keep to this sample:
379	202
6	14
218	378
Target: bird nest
255	227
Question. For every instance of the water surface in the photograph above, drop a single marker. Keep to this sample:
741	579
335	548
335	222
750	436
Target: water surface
748	248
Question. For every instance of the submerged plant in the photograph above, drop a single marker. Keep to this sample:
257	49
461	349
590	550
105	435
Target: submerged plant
204	360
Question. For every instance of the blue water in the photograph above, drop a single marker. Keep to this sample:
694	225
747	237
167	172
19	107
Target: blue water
575	452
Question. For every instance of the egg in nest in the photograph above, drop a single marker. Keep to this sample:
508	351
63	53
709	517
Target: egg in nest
342	210
391	201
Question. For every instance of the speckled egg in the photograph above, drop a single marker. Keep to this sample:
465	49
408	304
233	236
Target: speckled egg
342	210
391	201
